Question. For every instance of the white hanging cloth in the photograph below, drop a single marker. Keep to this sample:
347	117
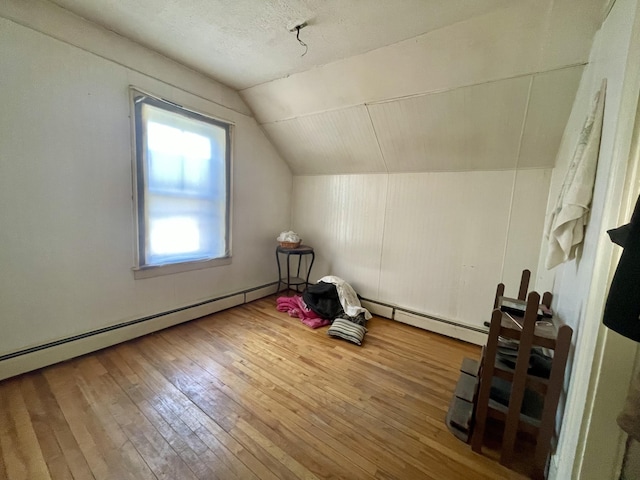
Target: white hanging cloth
565	226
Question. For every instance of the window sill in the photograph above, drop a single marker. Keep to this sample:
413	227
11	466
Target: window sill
140	273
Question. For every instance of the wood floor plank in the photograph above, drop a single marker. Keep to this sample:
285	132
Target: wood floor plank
352	384
298	469
122	424
256	395
195	340
105	447
213	435
22	455
208	390
282	402
317	415
358	414
46	424
3	470
192	450
249	393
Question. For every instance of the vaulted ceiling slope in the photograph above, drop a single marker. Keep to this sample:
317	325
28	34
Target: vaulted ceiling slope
242	43
491	92
393	86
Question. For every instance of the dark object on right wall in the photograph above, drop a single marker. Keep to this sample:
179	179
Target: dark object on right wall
622	311
620	235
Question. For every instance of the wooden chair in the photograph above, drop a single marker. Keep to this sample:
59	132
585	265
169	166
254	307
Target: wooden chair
516	416
522	291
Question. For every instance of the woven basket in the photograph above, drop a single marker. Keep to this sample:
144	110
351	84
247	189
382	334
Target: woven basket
290	244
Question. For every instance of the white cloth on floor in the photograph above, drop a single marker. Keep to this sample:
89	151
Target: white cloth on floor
565	225
348	297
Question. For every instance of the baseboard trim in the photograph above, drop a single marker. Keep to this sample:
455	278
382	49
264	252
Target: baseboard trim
442	326
39	356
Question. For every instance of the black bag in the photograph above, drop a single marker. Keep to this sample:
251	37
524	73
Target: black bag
322	298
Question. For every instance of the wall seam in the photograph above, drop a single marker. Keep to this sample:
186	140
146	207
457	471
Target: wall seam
423	94
515	177
375	134
132	69
384	229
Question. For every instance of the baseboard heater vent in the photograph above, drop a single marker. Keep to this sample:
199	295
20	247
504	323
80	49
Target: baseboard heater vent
39	356
450	328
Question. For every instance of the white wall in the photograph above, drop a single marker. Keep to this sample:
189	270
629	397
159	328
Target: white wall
580	286
436	243
448	140
66	212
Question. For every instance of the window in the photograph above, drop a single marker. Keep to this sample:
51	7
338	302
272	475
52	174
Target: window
182	184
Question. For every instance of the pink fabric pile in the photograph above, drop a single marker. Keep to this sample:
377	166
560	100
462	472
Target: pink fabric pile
296	307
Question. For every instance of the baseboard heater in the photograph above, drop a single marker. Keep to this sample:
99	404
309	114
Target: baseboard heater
450	328
39	356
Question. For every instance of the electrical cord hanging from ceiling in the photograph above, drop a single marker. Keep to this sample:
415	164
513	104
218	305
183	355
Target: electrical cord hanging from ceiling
306	47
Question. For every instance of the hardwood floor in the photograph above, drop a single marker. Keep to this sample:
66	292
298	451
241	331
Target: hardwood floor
248	393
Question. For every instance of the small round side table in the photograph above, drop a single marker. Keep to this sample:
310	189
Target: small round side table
296	281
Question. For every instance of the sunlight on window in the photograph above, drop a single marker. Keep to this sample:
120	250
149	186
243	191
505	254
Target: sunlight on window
174	235
195	146
183	179
173	141
163	138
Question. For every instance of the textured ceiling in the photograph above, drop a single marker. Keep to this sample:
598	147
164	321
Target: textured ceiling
243	43
386	86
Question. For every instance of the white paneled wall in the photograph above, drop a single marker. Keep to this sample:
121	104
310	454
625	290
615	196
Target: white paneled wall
526	225
503	124
435	243
467	128
548	110
336	141
444	242
343	216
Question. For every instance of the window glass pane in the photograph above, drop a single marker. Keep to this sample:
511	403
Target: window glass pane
174	235
197	175
164	139
185	173
164	172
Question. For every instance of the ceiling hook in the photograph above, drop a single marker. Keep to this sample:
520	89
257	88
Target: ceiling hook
297	29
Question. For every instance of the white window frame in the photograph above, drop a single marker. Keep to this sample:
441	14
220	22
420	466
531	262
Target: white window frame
142	270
